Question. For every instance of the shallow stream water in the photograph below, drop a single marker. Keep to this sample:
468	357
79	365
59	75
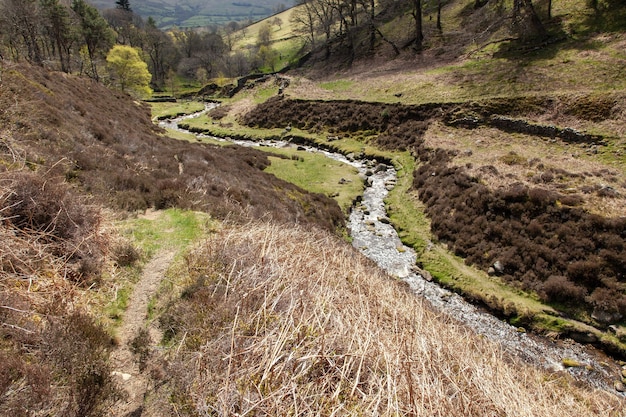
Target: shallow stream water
374	236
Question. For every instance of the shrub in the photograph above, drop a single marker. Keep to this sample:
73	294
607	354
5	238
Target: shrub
125	253
558	288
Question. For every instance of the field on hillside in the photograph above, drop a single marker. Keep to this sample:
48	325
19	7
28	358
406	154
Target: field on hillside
197	13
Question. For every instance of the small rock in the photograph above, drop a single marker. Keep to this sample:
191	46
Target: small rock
384	220
426	275
491	271
497	265
124	376
619	387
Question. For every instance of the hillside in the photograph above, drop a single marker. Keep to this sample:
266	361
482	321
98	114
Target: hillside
142	275
63	263
197	13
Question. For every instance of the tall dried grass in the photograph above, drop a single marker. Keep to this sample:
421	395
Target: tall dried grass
282	322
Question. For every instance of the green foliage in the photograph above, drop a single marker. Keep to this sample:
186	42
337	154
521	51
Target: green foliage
128	71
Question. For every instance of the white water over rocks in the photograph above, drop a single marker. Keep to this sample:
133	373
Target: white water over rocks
376	238
379	241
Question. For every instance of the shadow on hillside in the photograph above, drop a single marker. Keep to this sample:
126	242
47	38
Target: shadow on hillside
568	32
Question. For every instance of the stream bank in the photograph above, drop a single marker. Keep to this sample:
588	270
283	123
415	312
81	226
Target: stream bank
373	235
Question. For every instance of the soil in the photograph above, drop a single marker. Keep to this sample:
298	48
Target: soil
134	382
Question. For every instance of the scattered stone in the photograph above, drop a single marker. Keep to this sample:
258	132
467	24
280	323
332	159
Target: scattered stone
521	330
301	148
384	220
332	138
369	173
498	267
124	376
619	387
381	168
491	271
423	273
605	317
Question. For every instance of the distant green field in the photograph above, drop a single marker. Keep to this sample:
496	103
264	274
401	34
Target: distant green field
197	13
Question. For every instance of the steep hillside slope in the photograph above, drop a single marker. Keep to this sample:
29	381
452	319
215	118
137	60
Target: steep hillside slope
73	154
105	144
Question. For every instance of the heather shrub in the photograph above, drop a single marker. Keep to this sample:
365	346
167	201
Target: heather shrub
125	253
69	226
533	237
560	289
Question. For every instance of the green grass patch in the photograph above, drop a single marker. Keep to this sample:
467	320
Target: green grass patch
318	174
171	110
404	208
170	229
337	85
114	311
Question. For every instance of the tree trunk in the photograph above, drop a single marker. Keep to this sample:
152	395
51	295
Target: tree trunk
526	22
439	28
419	34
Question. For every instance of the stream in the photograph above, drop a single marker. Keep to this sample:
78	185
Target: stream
374	236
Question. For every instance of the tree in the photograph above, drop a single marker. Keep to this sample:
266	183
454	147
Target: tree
418	44
57	26
278	22
96	34
264	37
123	5
163	54
128	71
21	20
526	22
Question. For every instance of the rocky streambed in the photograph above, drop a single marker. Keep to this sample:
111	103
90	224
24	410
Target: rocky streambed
373	234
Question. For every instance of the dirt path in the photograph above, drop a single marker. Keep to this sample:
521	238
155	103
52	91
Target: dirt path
125	368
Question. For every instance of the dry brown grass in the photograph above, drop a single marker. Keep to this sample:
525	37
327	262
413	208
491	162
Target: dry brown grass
281	322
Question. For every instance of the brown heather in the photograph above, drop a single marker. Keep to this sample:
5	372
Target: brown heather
538	228
276	322
63	138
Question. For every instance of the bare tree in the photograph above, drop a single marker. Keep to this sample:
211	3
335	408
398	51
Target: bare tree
21	22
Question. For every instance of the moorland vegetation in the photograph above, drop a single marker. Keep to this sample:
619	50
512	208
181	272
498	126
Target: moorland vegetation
508	138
